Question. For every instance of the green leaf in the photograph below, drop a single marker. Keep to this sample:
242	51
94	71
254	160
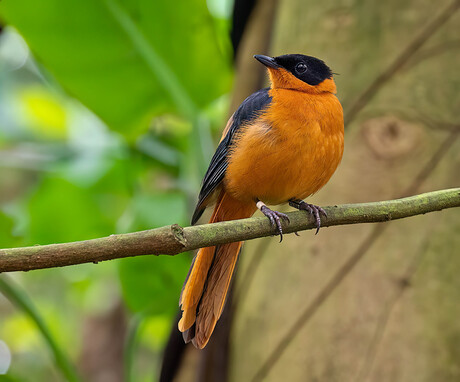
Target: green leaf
149	282
61	211
6	229
159	209
9	378
153	283
126	61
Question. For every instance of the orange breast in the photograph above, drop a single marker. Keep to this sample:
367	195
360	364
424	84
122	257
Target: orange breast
291	151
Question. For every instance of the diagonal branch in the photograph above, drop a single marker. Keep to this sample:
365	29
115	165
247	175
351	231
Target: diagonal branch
171	240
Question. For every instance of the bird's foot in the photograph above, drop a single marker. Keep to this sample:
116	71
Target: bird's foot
274	217
316	211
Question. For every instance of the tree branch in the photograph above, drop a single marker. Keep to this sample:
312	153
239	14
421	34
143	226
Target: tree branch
171	240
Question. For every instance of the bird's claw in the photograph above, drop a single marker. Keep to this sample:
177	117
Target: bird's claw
275	219
316	211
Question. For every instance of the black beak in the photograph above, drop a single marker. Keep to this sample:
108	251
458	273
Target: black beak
269	62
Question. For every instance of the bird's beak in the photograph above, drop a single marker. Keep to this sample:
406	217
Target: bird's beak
269	62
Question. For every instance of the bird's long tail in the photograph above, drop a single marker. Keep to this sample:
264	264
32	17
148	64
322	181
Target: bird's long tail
205	289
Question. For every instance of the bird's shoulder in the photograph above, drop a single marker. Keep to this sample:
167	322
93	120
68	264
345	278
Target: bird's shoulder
249	110
251	107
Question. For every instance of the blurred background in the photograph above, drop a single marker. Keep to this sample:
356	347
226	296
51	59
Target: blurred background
110	111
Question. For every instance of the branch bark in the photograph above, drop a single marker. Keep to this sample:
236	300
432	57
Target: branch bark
171	240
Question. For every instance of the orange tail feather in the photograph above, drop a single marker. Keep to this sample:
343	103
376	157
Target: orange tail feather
205	289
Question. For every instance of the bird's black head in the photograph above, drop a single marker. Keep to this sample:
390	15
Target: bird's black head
308	69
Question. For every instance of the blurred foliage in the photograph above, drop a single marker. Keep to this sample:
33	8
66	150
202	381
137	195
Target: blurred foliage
119	57
108	111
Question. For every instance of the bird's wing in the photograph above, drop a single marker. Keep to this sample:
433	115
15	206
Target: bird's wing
248	110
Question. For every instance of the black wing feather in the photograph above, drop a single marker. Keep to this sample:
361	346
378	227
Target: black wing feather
248	110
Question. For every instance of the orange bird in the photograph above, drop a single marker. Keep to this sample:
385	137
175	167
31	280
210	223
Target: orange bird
281	146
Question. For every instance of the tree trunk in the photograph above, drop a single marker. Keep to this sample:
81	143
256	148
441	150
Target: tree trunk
375	302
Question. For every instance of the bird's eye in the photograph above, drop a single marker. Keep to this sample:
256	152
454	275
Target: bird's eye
301	68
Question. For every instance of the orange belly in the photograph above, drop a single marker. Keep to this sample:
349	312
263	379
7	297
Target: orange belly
291	151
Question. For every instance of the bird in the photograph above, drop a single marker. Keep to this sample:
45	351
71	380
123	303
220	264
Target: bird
281	145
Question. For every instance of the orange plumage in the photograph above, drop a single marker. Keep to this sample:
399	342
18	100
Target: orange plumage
282	145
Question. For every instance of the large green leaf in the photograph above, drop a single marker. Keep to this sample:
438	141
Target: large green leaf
126	61
6	228
61	211
151	283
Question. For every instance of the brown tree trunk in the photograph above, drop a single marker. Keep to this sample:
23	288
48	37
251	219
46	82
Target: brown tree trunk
366	303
